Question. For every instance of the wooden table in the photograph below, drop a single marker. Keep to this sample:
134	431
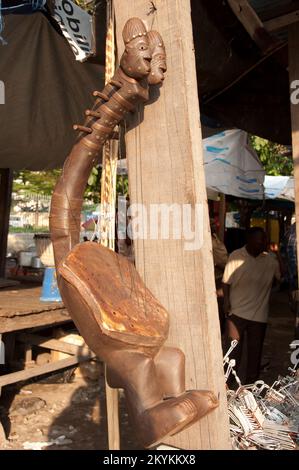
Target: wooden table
21	309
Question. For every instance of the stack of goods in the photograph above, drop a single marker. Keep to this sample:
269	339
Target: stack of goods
263	416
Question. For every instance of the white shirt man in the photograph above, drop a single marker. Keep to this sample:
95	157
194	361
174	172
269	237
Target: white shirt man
247	282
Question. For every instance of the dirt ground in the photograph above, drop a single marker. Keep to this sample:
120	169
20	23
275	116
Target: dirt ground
280	333
60	412
64	411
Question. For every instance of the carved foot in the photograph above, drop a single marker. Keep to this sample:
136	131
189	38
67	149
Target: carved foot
146	384
172	416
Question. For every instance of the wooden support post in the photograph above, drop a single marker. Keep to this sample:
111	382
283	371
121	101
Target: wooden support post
294	75
165	165
28	362
9	341
112	416
5	201
107	226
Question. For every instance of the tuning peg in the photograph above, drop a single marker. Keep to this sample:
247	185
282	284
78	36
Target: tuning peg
115	83
77	127
95	114
99	94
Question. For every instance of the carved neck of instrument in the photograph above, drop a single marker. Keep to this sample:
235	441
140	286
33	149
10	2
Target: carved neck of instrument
121	96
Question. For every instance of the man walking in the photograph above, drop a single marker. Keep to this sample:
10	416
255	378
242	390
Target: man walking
247	282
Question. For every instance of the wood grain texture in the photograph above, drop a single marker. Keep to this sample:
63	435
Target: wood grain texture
116	294
34	320
20	300
112	404
165	164
20	308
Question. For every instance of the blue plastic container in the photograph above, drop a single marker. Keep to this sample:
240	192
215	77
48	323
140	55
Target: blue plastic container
50	291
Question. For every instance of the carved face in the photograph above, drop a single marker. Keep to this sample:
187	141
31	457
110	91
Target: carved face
136	59
158	62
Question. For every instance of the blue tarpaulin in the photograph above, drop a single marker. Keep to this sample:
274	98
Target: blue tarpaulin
232	167
279	187
21	6
18	6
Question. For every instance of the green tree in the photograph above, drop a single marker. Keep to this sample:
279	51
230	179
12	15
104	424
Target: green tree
93	189
43	183
276	158
87	5
38	182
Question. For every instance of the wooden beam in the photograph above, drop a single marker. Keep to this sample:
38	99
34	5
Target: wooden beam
294	75
253	25
282	21
5	201
53	344
165	165
15	377
40	319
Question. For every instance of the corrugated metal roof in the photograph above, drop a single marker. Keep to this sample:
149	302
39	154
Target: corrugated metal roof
263	6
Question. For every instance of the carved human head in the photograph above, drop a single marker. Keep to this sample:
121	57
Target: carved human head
158	62
135	61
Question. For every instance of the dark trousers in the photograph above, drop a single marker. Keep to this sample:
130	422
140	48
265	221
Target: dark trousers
236	328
